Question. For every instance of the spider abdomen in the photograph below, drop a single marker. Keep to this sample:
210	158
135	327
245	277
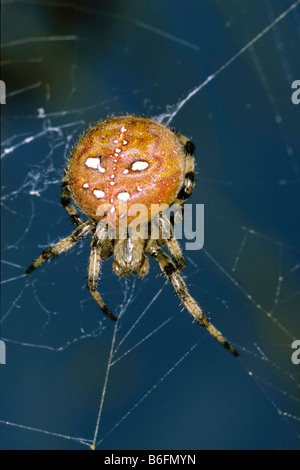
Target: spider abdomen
129	159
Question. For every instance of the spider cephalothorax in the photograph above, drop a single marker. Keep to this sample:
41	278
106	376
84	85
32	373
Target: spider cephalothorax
120	174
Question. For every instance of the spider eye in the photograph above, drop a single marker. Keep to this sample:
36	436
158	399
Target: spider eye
130	159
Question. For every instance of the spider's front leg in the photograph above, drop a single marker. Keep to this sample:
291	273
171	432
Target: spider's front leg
63	245
167	237
171	273
94	269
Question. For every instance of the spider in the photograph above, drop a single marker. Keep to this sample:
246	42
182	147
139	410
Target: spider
139	161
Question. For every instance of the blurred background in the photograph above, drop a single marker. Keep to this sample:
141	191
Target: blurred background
66	66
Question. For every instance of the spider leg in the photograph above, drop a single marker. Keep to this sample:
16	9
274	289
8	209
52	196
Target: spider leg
171	273
189	180
182	196
62	245
171	242
93	273
66	201
143	269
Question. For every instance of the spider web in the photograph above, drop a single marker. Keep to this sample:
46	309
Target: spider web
221	73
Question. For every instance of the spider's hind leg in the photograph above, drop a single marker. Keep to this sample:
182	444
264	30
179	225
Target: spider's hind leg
184	193
66	201
189	179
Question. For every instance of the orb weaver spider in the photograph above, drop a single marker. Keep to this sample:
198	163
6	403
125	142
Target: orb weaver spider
140	161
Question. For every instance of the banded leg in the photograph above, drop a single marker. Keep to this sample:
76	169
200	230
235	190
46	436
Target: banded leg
94	269
66	201
171	242
189	179
171	273
62	245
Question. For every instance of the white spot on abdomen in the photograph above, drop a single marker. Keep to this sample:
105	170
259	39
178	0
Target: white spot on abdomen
85	185
139	166
124	196
99	193
94	163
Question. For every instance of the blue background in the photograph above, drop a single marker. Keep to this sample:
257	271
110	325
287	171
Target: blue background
67	67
